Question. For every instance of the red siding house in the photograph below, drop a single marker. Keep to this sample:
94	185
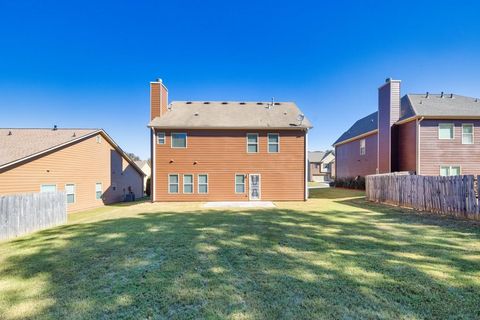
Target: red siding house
226	150
429	134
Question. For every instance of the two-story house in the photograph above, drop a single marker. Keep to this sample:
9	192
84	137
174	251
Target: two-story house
429	134
226	151
321	166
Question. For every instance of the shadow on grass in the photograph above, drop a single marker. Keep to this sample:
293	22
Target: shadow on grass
274	263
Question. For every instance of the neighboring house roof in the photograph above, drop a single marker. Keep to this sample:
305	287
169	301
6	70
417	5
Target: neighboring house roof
362	126
142	164
21	144
438	105
231	115
316	156
328	157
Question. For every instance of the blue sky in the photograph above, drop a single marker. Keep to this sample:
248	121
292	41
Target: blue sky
89	63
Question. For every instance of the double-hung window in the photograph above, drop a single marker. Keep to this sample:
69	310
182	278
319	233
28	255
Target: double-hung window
467	133
98	190
202	183
252	142
160	137
179	140
70	192
445	131
363	148
173	183
239	183
187	183
449	171
273	142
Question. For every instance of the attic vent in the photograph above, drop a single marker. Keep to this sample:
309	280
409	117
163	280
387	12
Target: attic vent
259	103
9	133
189	102
242	103
277	103
196	114
224	102
206	102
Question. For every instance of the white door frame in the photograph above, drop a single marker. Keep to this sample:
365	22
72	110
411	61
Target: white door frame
259	186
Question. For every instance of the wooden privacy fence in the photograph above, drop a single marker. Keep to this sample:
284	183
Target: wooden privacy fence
455	195
28	212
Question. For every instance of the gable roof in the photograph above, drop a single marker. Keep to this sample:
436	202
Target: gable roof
231	115
362	126
316	156
438	105
21	144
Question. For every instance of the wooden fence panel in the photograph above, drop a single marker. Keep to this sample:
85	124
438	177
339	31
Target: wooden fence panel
28	212
455	196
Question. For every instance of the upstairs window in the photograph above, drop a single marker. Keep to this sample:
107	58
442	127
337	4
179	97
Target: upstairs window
252	142
179	140
160	137
467	133
273	143
445	131
449	171
363	148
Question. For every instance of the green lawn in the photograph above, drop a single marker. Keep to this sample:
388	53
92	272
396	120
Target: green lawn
332	257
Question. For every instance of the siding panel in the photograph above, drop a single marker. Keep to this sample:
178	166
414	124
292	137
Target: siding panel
349	162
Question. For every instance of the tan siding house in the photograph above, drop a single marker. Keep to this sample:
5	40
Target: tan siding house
430	134
87	164
227	151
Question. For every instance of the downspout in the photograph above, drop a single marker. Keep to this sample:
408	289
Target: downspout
418	145
154	167
306	164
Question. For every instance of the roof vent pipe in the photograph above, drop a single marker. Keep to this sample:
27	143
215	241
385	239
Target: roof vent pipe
426	96
9	133
451	95
55	127
441	94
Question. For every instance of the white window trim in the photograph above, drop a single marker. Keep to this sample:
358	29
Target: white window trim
364	147
171	140
273	143
198	183
49	184
453	131
258	142
193	183
74	192
449	168
95	193
245	178
473	133
164	138
178	183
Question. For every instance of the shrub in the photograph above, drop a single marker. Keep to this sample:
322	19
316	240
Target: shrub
147	188
357	182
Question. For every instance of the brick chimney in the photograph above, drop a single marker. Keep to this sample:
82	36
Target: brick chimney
388	114
158	99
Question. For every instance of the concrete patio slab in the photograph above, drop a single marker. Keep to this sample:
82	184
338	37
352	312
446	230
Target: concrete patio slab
239	204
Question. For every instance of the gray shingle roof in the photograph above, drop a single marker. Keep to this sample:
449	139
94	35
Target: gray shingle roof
364	125
231	114
316	156
16	144
435	105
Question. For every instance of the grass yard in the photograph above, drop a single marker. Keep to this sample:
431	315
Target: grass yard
332	257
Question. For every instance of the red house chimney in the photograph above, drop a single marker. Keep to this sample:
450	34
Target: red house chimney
158	99
388	114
